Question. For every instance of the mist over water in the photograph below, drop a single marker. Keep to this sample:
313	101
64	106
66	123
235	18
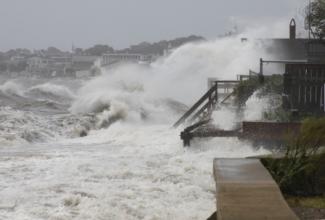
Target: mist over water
131	164
135	92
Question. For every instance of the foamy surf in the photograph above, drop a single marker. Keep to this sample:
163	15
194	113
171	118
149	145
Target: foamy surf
123	172
130	163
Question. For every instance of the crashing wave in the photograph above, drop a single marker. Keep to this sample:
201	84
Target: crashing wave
11	88
49	90
123	98
19	127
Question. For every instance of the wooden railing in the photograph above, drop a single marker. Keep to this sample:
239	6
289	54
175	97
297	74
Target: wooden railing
207	101
203	108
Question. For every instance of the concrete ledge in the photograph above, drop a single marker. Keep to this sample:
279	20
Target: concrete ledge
245	190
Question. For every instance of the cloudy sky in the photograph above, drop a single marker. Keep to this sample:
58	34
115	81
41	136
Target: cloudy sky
38	24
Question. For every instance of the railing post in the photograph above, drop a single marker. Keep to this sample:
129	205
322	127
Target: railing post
261	75
210	103
216	93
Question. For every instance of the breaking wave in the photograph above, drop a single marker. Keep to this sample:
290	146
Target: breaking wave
117	96
136	94
128	164
38	113
50	90
139	93
21	127
11	88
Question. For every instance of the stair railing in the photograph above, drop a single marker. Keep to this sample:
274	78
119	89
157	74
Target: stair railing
208	102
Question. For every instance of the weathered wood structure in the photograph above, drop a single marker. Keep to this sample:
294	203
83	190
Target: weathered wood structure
304	86
304	91
267	133
203	108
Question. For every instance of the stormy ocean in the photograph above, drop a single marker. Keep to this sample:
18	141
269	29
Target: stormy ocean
104	147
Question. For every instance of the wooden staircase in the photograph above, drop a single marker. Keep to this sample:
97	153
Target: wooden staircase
203	108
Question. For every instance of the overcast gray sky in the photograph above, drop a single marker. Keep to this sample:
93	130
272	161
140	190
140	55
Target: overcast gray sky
38	24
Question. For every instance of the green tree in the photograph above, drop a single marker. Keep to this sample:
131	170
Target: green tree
99	50
315	18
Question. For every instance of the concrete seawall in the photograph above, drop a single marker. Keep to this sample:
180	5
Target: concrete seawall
246	191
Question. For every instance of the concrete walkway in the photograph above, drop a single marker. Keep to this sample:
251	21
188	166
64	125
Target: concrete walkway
246	190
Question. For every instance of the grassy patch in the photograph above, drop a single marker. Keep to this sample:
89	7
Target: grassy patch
307	202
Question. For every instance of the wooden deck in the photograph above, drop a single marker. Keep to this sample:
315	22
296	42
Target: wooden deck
246	190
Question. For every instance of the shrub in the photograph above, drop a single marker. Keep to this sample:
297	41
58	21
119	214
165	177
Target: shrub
296	173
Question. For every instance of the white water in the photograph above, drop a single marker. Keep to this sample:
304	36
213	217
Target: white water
52	89
255	107
128	172
225	118
132	165
11	88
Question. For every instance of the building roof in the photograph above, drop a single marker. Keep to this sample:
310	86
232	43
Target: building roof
295	49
